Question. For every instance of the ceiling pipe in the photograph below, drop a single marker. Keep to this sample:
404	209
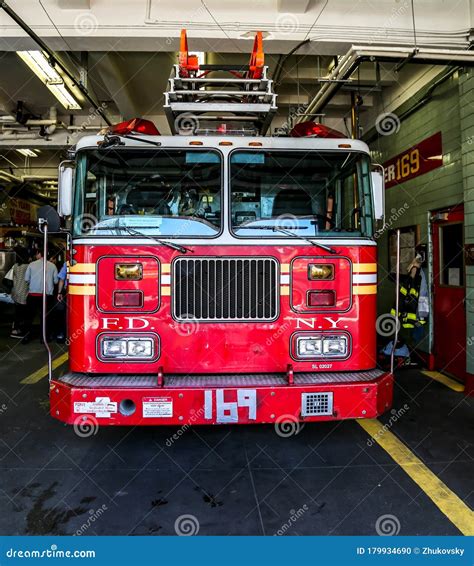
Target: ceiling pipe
54	60
53	116
358	54
20	137
45	122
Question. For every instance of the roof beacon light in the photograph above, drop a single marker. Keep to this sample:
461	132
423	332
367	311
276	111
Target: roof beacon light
314	130
134	126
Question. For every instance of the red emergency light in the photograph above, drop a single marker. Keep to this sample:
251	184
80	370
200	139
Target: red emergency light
321	298
136	126
314	130
128	298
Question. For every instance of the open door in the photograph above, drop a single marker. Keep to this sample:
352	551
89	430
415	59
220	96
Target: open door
449	290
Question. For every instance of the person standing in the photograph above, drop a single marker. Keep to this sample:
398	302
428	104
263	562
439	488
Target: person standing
34	301
19	292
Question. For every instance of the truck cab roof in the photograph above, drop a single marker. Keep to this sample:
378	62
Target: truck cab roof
229	143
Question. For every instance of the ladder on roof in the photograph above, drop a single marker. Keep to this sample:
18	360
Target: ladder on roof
241	104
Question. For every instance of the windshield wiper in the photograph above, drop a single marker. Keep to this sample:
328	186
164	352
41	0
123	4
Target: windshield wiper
288	233
113	140
133	232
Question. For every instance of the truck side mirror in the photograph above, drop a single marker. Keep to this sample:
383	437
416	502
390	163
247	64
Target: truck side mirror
378	193
50	215
65	187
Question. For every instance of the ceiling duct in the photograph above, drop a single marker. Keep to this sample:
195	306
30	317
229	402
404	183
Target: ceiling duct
358	54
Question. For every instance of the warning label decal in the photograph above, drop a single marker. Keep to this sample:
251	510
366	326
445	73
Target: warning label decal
157	407
101	407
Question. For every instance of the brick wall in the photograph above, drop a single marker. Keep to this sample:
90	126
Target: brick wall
466	110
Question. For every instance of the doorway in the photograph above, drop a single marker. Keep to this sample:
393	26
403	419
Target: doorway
449	292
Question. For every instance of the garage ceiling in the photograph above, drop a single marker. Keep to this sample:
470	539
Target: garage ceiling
124	57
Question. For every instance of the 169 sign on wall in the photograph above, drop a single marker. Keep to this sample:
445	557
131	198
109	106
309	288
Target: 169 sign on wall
419	159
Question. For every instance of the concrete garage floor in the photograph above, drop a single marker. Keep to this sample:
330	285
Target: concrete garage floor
329	479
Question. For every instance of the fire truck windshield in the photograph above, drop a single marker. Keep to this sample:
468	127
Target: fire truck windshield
156	192
307	193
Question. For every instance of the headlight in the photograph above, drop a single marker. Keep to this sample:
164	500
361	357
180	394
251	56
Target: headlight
321	346
140	348
128	348
308	347
114	348
335	346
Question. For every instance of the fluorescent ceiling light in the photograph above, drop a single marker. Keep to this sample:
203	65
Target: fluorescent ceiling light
7	177
48	75
64	96
27	152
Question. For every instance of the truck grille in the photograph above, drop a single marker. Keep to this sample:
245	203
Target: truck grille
225	289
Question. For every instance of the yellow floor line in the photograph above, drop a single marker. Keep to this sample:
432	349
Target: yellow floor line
445	380
43	372
447	502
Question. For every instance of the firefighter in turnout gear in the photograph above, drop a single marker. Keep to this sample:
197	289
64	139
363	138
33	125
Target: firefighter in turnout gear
414	300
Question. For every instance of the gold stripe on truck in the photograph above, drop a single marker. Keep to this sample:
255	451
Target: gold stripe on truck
364	268
82	268
81	289
364	289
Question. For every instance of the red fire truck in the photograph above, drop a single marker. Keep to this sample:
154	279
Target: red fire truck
219	275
